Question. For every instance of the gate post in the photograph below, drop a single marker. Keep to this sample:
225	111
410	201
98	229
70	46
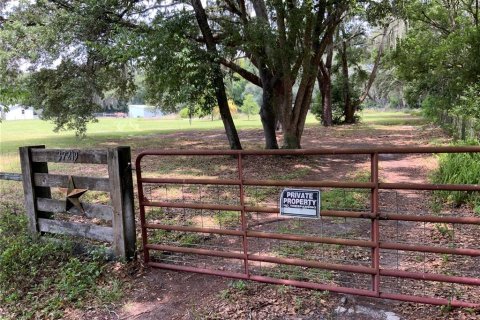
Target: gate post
30	191
121	193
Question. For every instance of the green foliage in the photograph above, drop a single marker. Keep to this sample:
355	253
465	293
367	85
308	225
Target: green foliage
438	58
249	106
239	285
187	113
468	104
177	70
458	168
70	66
44	275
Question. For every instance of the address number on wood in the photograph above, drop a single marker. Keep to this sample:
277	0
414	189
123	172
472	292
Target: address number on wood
67	156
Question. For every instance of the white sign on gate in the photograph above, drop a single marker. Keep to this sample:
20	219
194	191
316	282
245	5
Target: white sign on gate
300	203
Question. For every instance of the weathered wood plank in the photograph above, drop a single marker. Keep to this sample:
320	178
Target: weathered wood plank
76	229
61	181
29	190
69	156
121	193
91	210
11	176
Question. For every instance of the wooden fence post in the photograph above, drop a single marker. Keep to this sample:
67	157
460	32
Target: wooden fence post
121	193
31	192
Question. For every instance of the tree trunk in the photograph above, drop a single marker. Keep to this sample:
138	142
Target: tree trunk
268	113
325	85
348	109
217	80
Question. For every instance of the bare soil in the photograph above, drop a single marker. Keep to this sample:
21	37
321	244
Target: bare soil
161	294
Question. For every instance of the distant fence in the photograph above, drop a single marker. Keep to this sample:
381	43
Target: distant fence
460	127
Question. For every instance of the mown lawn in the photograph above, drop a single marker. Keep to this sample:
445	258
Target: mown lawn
14	134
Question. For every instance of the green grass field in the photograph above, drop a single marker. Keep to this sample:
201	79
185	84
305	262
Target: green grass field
14	134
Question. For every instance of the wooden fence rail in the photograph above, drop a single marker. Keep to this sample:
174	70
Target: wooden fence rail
11	176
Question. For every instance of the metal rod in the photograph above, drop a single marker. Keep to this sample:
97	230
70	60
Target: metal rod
141	197
430	277
243	215
303	183
194	229
407	247
294	237
314	286
192	181
429	186
324	213
429	300
227	274
313	264
430	218
325	151
375	225
204	252
190	205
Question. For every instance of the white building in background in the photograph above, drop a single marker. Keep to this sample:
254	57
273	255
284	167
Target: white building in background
143	111
17	112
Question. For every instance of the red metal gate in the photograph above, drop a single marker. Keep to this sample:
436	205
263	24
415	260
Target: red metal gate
368	271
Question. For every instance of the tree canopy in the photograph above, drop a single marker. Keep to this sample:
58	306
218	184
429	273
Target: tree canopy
64	56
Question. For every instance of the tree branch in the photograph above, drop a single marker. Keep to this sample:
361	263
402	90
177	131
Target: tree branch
434	24
247	75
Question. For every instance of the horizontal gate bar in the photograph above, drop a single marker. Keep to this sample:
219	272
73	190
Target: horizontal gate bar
430	277
421	248
325	213
262	183
213	272
206	206
314	286
293	237
319	184
194	229
325	151
429	186
191	181
312	264
204	252
430	218
429	300
299	183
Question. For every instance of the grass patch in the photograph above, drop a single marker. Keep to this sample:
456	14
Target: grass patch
457	168
390	118
295	250
352	199
290	272
40	278
105	133
229	219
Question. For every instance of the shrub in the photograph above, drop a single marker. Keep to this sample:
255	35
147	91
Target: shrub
458	168
184	113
